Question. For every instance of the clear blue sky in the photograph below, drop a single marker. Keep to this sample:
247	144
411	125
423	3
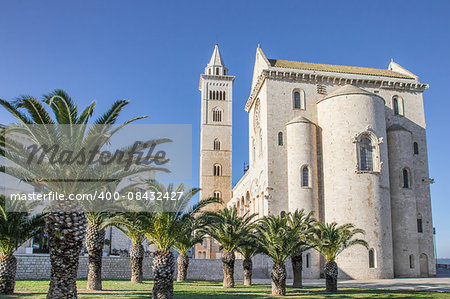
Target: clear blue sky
152	52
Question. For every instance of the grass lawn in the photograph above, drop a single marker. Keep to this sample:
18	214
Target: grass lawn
208	290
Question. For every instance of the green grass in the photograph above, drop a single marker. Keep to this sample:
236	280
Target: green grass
208	290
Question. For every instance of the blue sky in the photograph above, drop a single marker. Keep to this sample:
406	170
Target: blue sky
152	52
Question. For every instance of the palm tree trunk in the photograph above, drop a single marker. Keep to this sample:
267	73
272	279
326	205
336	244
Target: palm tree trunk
247	264
183	263
8	267
66	230
278	279
95	240
228	259
297	267
136	258
163	269
331	273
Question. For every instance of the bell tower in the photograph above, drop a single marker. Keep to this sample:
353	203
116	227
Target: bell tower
216	88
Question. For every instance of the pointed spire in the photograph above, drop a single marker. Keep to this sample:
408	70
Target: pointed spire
216	58
216	65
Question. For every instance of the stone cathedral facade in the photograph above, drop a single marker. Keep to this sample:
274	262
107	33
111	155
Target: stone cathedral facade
348	143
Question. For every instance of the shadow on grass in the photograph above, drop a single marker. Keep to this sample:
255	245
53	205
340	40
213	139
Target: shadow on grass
212	290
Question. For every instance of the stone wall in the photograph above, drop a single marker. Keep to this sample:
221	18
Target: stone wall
38	267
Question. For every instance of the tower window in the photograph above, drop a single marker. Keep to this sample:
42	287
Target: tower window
217	195
217	115
217	71
217	170
416	148
216	144
280	138
308	260
366	154
299	99
411	261
371	258
419	224
398	105
405	174
305	176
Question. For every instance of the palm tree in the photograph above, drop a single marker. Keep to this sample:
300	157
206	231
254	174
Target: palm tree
95	241
277	238
69	130
248	248
330	240
304	222
162	228
191	234
227	228
131	223
97	213
15	229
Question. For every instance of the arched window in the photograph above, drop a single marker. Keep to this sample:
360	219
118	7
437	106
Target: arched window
216	144
398	105
405	174
217	170
217	71
365	154
305	176
210	94
223	95
308	260
280	138
217	195
298	99
416	148
217	114
371	258
411	261
419	223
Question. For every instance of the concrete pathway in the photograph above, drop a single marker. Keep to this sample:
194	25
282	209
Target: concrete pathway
417	284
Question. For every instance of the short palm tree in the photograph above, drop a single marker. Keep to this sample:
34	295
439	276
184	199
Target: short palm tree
248	248
15	229
229	229
69	129
330	240
95	241
277	238
131	223
162	227
305	223
190	234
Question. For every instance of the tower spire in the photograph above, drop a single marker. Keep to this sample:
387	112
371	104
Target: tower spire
216	65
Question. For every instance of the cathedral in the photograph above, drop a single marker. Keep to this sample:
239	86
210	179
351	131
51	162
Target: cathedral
347	143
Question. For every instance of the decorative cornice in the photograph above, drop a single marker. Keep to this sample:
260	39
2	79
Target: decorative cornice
215	77
382	83
218	77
